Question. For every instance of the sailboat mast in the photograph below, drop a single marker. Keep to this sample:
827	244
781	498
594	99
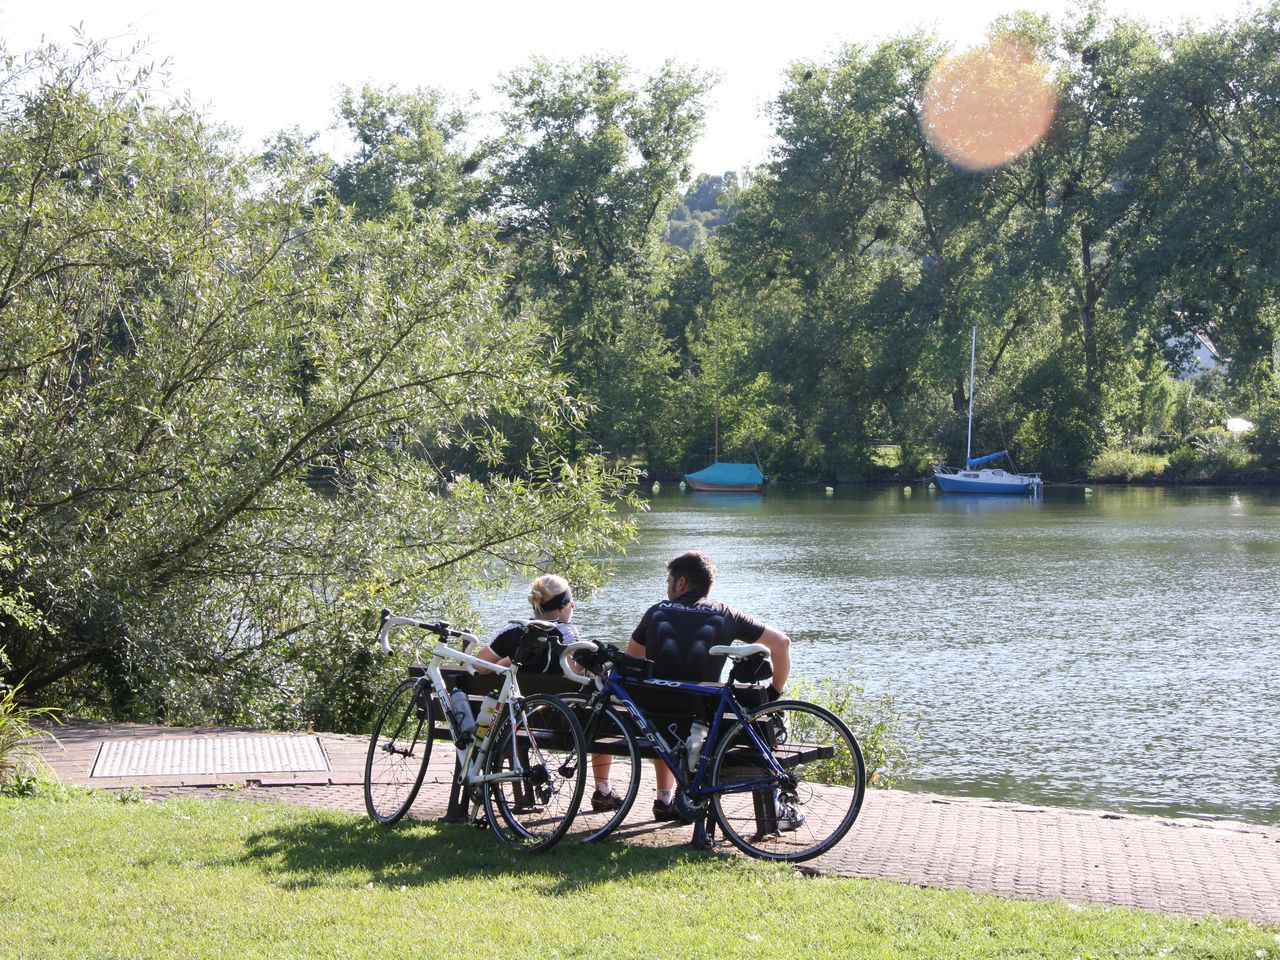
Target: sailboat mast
973	359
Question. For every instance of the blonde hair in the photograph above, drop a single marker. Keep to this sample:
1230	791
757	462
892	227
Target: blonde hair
545	588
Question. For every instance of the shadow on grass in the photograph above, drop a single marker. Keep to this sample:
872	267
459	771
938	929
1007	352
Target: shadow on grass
326	852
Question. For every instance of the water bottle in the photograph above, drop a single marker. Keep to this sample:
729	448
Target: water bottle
693	746
485	719
460	706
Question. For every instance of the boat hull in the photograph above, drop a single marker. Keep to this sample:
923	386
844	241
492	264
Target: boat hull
987	481
701	486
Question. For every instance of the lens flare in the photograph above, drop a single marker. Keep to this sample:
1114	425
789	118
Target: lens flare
988	106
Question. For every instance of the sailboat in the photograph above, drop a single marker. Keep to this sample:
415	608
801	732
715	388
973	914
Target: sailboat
988	479
726	477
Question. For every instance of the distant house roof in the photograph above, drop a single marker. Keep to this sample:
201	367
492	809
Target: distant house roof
1205	355
1207	347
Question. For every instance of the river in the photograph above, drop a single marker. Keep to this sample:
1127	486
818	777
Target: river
1113	650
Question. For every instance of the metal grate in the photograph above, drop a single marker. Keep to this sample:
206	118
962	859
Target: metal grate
161	757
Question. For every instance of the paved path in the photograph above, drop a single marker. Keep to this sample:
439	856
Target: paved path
1180	866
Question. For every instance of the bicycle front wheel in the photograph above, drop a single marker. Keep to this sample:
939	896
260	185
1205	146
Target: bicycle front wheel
399	751
542	766
616	761
807	808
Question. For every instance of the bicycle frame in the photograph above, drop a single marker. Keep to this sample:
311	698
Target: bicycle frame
692	783
472	759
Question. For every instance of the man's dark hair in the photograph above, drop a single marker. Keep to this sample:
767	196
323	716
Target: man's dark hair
696	567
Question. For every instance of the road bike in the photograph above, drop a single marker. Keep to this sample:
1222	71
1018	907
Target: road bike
522	758
783	781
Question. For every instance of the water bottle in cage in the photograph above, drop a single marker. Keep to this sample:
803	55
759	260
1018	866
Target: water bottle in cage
460	707
693	746
485	718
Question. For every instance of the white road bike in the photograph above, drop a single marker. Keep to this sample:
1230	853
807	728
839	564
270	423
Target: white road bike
524	761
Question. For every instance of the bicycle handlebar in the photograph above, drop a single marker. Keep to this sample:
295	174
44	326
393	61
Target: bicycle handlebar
440	628
568	652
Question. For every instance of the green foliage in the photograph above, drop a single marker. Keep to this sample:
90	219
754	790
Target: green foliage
1264	440
407	155
853	264
21	767
1126	465
708	204
582	183
1081	261
236	419
1214	455
882	731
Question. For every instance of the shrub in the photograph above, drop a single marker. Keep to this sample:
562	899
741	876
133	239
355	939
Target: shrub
1214	455
1124	464
1264	440
875	720
21	767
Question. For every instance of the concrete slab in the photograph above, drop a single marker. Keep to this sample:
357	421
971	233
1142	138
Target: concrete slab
208	756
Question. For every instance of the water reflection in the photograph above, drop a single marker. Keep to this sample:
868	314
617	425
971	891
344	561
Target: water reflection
1115	650
736	502
985	502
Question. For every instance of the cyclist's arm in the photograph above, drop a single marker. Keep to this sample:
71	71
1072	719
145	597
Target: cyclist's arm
486	653
779	645
499	649
635	644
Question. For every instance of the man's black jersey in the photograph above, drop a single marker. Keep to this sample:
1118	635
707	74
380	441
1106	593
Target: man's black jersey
677	634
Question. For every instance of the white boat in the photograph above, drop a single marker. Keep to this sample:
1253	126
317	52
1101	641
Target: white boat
970	479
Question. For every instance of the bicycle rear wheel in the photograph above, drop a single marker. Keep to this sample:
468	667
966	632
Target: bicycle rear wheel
803	812
399	751
544	767
618	760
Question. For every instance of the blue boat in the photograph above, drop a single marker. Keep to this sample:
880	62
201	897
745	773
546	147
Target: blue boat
728	478
988	479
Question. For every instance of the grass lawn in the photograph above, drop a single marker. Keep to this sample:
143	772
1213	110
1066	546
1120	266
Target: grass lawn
86	875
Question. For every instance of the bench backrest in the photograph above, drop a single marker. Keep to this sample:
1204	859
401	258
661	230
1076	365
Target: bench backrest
662	706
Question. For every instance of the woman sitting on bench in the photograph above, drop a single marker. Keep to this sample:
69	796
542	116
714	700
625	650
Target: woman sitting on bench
552	599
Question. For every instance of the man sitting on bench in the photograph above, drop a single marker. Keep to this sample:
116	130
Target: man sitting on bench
676	635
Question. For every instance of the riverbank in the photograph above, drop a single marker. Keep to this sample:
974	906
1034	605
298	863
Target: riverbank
1261	479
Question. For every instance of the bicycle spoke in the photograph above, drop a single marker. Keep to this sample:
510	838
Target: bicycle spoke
399	751
805	810
543	766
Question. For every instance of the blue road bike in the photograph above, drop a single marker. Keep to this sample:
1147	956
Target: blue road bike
784	781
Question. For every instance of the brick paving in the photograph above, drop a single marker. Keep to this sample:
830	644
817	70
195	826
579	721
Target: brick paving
1175	865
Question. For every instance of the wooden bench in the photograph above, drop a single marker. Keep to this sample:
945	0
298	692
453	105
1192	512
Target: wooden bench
671	711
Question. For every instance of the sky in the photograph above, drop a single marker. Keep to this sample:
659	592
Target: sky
266	65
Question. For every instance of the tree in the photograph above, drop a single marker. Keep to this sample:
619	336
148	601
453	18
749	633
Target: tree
231	415
1210	270
408	155
582	185
877	242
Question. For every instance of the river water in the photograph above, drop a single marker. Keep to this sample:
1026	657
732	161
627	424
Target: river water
1114	650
